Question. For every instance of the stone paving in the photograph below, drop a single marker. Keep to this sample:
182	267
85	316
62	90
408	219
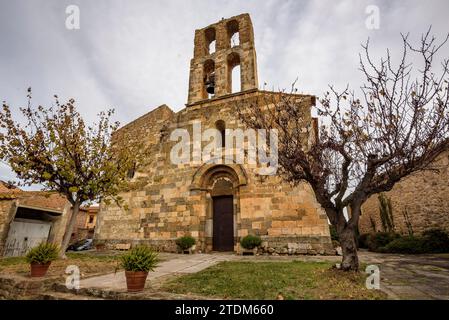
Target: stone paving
402	276
172	264
410	277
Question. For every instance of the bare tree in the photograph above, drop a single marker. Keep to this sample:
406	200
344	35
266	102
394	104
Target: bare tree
365	145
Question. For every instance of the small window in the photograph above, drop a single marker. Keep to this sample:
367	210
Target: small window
131	172
235	40
91	219
212	46
234	73
221	126
210	40
233	33
235	80
209	79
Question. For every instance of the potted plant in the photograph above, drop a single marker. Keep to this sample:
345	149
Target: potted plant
40	258
100	247
185	243
137	262
250	243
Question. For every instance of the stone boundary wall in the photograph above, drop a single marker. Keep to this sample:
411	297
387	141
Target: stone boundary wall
310	245
420	200
13	287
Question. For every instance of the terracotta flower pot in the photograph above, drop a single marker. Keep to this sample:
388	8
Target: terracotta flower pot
39	269
100	247
135	280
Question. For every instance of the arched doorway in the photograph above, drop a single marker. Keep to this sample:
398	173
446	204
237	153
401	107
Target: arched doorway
220	190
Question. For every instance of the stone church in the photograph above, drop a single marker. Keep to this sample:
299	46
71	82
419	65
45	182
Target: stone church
217	204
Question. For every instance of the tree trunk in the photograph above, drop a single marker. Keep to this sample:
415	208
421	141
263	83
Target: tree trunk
69	229
350	260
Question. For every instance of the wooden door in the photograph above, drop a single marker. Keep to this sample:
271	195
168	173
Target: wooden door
223	223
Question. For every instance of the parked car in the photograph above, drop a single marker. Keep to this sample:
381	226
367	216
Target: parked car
84	244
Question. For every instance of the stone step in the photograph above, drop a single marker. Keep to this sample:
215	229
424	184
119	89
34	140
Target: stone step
53	295
89	292
102	294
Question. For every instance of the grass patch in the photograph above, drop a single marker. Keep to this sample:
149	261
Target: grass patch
11	261
266	280
88	263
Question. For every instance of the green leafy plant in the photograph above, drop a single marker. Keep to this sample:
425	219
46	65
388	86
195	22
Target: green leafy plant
43	253
140	258
363	240
372	224
407	244
407	221
333	233
435	241
185	242
386	213
250	242
380	239
431	241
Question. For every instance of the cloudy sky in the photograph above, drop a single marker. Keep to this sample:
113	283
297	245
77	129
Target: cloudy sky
133	55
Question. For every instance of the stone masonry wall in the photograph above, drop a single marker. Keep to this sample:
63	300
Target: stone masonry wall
163	206
224	58
6	213
423	197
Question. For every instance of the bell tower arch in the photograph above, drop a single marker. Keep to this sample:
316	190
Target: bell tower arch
211	70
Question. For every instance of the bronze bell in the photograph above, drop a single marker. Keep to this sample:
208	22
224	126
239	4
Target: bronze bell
210	88
210	83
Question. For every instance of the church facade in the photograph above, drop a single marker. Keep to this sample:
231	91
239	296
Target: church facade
216	202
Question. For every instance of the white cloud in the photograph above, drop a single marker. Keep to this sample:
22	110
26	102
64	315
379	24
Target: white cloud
135	55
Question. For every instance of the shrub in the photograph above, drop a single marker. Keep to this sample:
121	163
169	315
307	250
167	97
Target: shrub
250	242
185	242
435	241
43	253
380	239
431	241
382	250
386	212
407	244
139	258
333	232
363	240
